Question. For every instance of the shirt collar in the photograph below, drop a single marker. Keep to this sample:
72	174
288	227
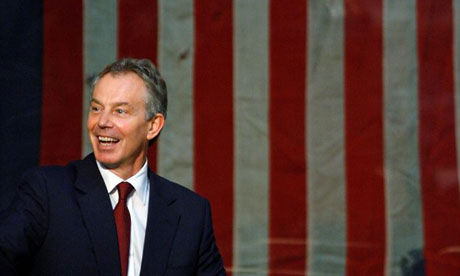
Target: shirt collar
139	181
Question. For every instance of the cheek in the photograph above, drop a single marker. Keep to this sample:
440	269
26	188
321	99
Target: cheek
90	126
133	132
91	121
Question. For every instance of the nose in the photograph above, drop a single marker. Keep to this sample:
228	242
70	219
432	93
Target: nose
105	120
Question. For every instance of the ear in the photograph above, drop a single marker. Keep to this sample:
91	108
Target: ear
155	126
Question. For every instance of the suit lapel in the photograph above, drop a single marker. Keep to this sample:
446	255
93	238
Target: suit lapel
162	222
97	214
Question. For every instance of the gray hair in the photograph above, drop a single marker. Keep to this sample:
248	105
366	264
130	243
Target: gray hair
157	96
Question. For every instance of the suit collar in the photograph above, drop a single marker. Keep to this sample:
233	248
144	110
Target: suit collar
96	209
162	223
97	214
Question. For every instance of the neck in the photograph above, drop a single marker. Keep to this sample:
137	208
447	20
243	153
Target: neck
125	172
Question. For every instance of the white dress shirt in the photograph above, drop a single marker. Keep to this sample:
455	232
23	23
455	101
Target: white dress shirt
137	202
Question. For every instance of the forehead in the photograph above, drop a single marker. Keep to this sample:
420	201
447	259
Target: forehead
114	87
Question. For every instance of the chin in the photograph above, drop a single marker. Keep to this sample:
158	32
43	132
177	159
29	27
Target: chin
105	160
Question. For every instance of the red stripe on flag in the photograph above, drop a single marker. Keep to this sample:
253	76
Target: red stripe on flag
441	204
61	130
137	38
213	115
366	235
288	217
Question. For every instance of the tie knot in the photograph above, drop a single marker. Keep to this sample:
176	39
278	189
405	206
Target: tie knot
124	188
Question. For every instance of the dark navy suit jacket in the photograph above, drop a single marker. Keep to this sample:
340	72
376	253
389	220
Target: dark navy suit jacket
61	223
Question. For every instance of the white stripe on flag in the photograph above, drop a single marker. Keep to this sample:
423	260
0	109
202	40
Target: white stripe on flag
402	173
175	62
100	49
251	137
326	139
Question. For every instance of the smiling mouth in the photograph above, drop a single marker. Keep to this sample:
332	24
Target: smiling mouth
107	141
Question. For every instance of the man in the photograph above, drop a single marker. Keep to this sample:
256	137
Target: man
109	214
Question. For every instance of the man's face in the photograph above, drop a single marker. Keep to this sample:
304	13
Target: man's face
117	127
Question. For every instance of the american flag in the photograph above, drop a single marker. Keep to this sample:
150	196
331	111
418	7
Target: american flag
325	133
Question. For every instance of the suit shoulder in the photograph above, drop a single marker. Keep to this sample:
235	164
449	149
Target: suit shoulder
51	172
169	187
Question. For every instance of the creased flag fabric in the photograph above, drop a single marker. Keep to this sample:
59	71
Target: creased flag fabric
324	133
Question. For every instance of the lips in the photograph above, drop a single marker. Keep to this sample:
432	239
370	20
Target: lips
107	141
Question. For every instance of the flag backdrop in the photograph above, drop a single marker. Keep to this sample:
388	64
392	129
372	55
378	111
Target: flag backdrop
325	133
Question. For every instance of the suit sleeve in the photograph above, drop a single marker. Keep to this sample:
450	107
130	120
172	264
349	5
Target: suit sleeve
23	225
210	262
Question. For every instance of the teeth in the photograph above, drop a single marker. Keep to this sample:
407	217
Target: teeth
107	139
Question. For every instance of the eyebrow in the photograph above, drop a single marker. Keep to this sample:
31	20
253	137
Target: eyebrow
113	104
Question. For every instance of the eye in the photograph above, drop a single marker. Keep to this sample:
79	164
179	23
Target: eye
120	111
95	108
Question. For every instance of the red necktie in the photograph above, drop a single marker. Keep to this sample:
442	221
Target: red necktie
123	223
